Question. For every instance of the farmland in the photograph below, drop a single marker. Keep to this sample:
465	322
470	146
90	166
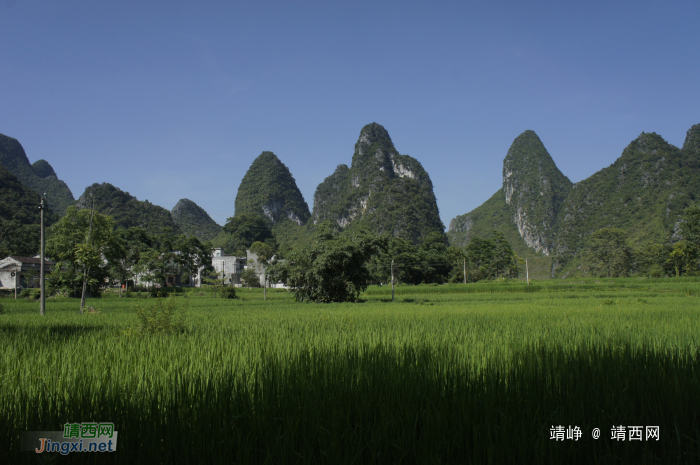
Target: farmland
445	374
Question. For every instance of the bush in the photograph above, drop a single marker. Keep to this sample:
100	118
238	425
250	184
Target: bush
34	293
227	292
163	316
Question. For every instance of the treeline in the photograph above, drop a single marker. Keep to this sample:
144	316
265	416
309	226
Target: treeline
610	254
88	250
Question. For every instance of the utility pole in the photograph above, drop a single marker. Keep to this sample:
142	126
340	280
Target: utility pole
42	284
527	273
85	269
392	279
465	271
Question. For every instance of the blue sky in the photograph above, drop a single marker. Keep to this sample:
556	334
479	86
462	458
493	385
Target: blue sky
171	100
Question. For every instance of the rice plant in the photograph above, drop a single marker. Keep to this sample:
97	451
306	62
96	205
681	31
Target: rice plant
476	377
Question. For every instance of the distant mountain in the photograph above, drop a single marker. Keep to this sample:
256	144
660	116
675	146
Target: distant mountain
20	217
127	210
382	190
644	192
534	190
40	176
194	221
268	189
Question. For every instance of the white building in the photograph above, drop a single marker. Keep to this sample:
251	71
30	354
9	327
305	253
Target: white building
26	270
226	267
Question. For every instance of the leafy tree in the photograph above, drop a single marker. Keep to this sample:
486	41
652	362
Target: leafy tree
82	243
487	259
651	259
250	277
684	258
434	262
407	266
193	254
133	242
609	253
244	229
690	224
333	268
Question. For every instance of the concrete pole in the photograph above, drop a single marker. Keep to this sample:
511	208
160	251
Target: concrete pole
42	274
392	279
527	273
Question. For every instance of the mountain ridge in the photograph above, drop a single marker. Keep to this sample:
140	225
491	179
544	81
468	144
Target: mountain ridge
39	176
382	190
643	192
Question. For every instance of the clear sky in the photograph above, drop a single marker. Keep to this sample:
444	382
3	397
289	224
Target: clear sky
171	100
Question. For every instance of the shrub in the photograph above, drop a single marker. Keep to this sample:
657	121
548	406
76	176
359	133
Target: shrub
227	292
34	293
163	316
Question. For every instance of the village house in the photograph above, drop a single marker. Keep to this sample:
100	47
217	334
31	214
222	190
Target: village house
26	271
226	267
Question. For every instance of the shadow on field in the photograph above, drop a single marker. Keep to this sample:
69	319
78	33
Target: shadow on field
396	405
64	331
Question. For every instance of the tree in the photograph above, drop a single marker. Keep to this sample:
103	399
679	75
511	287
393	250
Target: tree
406	259
133	242
690	224
265	253
333	268
609	253
244	229
486	259
684	258
82	249
193	254
434	261
652	259
250	277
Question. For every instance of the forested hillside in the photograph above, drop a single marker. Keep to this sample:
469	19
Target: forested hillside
20	217
40	176
194	221
382	190
127	210
644	192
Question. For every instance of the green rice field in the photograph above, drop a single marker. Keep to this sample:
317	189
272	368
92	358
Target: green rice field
476	373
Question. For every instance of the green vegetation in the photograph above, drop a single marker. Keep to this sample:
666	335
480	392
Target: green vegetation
239	233
332	269
20	225
440	376
644	193
494	215
88	249
194	221
269	190
609	253
127	210
534	190
382	191
39	177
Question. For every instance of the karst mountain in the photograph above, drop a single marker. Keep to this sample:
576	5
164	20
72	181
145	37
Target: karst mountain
548	218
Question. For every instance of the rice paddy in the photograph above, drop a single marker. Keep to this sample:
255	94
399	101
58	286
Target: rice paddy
475	373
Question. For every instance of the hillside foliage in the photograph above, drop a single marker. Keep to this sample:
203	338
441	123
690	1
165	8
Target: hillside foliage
20	217
39	177
127	210
383	191
194	221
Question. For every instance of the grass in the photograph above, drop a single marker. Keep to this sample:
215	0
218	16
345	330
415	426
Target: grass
446	374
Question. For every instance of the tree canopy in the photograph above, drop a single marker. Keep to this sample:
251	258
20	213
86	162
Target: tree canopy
332	269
